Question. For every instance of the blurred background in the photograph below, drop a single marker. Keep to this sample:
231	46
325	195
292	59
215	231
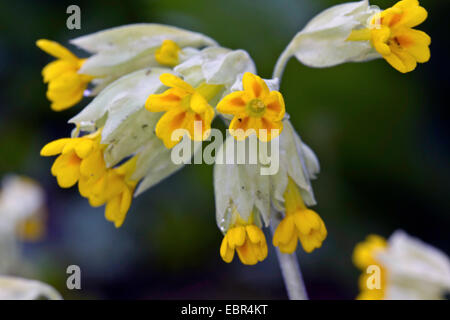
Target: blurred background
382	139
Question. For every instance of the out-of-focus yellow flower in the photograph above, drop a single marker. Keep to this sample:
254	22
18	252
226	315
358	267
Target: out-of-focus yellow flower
256	107
81	160
183	106
247	239
65	85
392	35
299	223
168	54
364	255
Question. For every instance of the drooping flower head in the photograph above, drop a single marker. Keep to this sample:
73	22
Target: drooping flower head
391	33
65	85
183	106
256	107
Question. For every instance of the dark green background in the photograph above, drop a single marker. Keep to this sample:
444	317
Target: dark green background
381	137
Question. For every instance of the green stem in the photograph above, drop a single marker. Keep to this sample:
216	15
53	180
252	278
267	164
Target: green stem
290	268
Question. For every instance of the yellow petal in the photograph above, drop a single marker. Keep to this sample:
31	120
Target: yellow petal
401	60
233	103
275	107
290	246
93	166
112	209
254	86
169	122
68	173
55	147
173	81
57	68
284	232
412	14
84	148
165	101
226	253
168	53
55	49
236	237
415	42
247	253
198	104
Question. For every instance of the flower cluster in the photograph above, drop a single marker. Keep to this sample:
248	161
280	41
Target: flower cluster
150	82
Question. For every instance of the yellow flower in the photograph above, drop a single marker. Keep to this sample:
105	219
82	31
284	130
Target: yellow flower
254	108
183	106
81	160
65	85
115	188
299	223
364	255
392	35
168	54
77	156
245	238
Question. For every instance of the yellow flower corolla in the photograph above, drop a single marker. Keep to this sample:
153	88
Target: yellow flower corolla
65	85
77	156
364	255
392	35
81	160
184	106
255	108
115	188
168	54
247	239
299	223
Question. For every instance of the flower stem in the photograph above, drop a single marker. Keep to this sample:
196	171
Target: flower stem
290	268
281	63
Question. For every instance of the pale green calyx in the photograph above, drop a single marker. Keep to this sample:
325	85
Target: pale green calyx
240	187
121	50
322	42
298	162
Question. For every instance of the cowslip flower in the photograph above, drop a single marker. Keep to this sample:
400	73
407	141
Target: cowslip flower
292	193
245	238
77	156
242	205
66	85
183	106
358	32
255	109
299	224
391	33
15	288
81	161
409	269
